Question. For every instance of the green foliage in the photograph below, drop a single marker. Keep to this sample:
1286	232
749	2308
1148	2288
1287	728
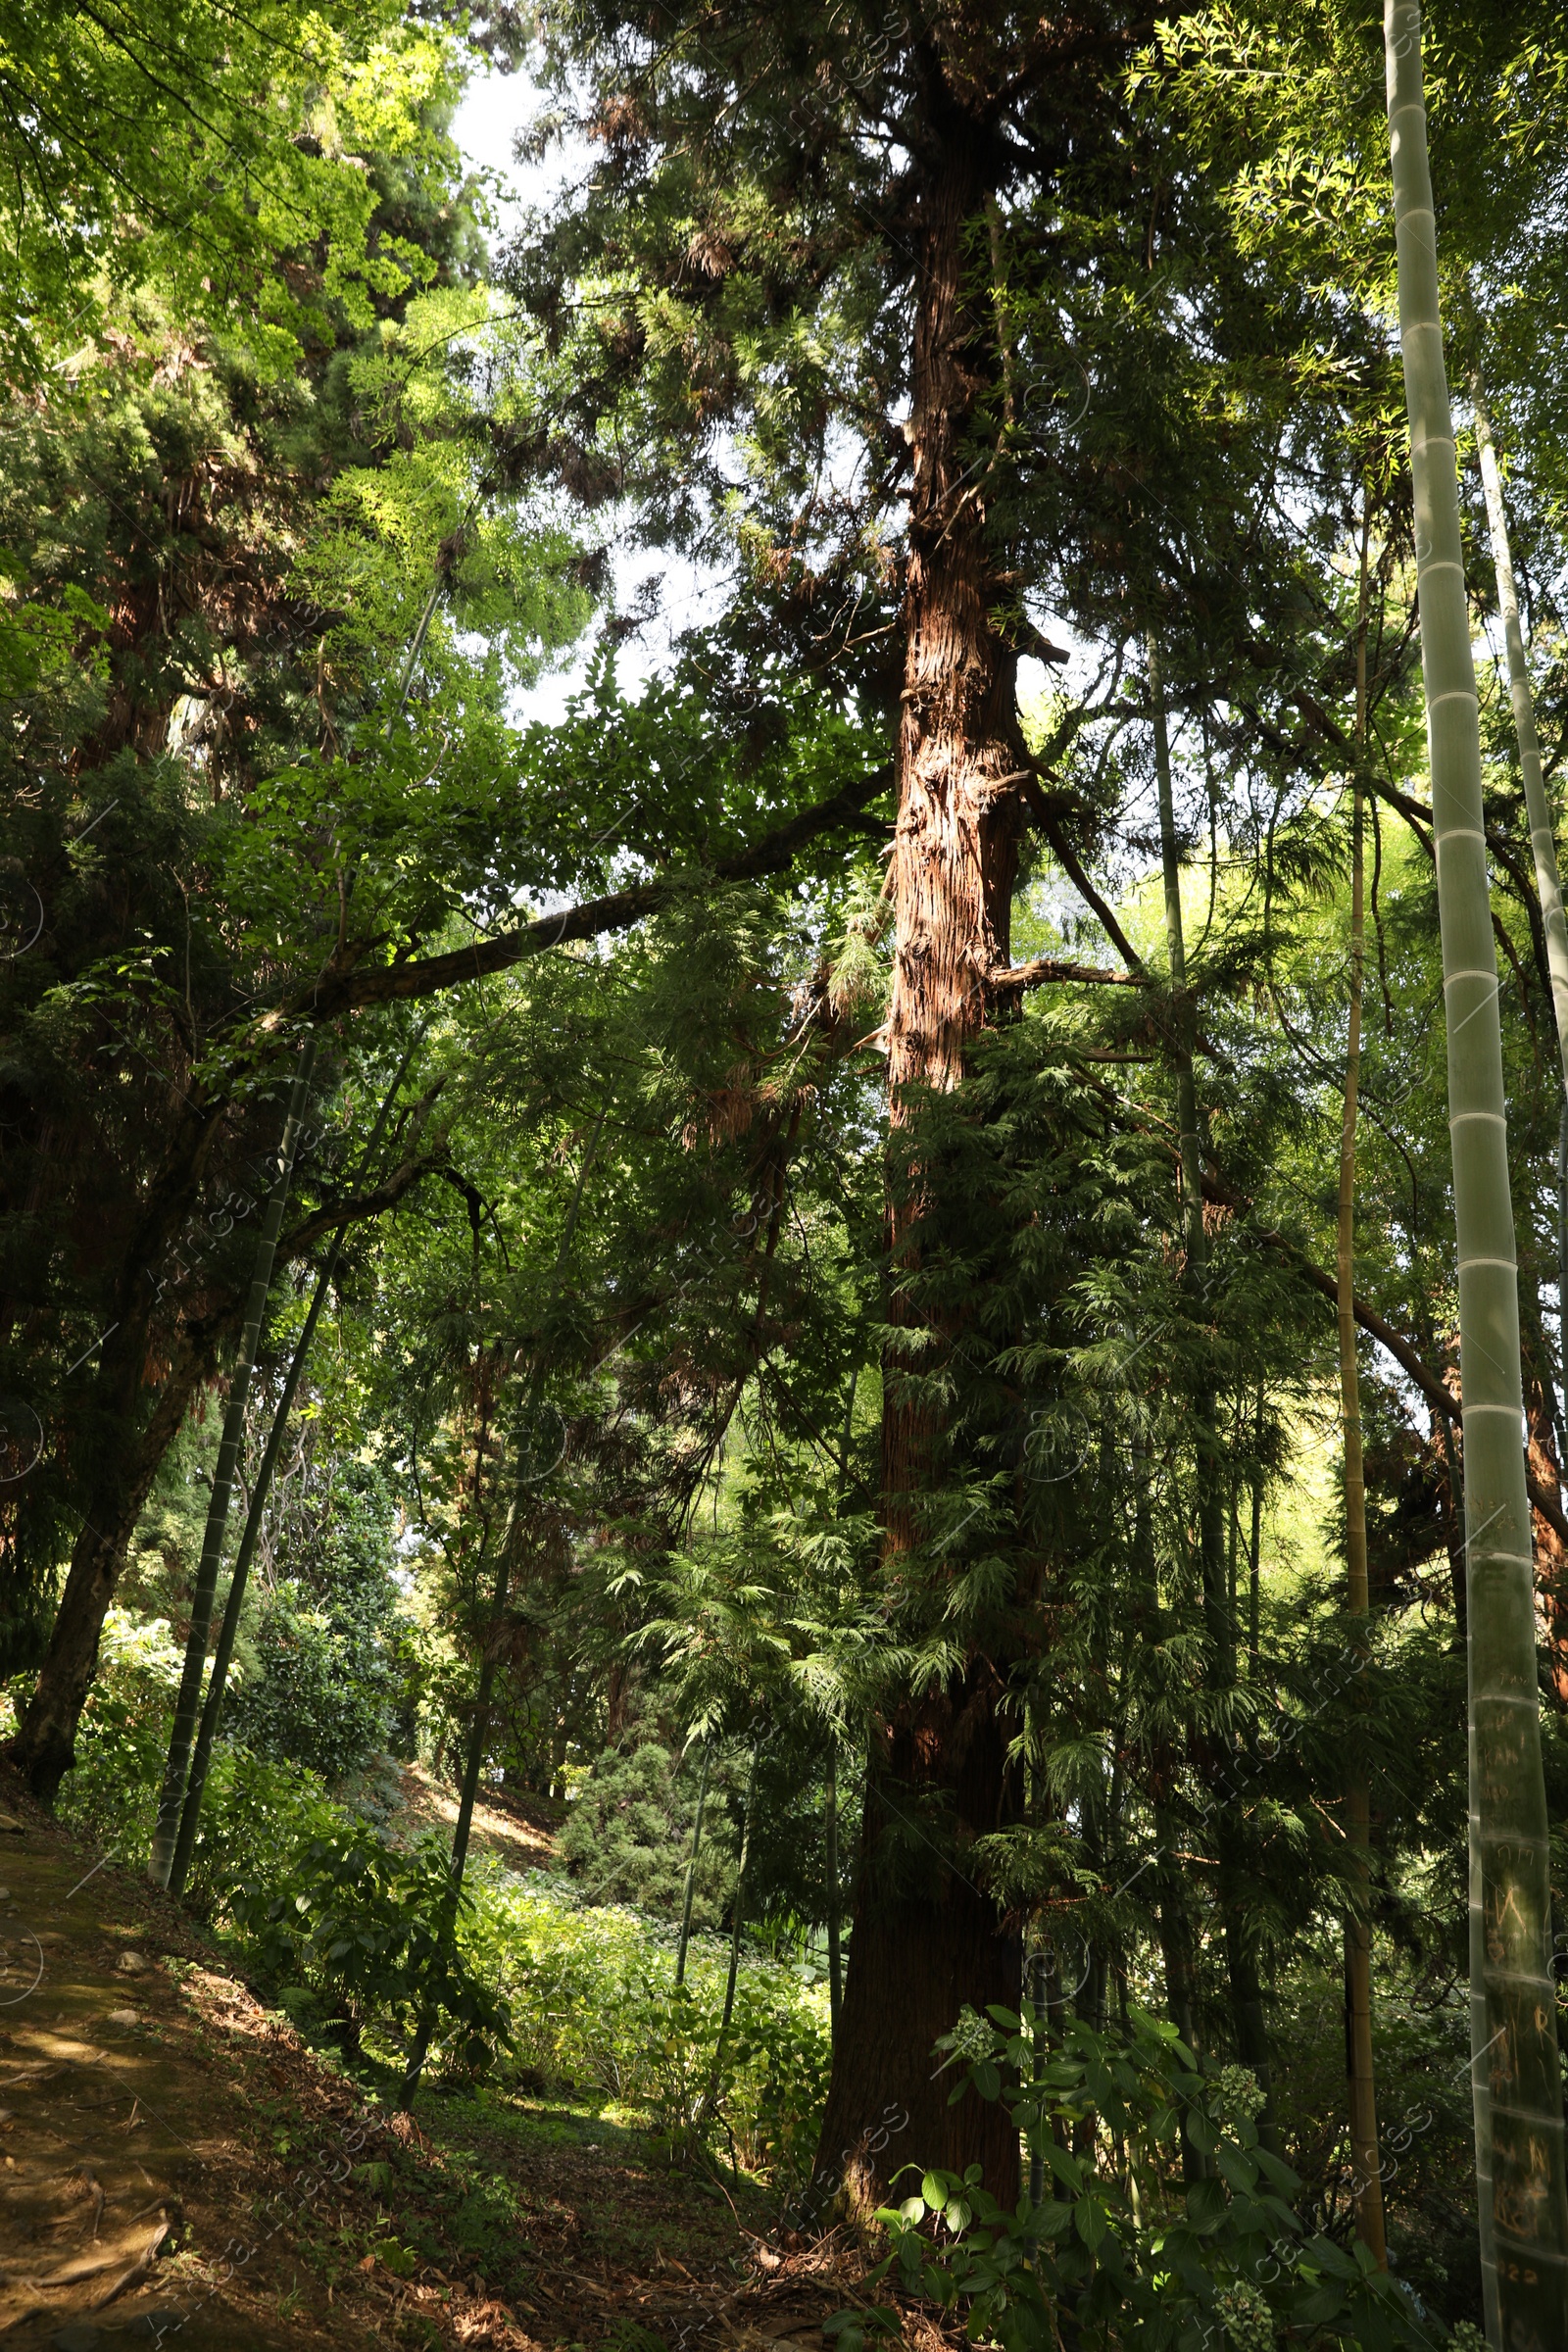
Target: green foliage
628	1836
377	1934
1117	2248
325	1659
321	1686
180	144
591	1991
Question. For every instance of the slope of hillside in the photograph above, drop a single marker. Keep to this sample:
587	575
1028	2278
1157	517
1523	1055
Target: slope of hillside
177	2167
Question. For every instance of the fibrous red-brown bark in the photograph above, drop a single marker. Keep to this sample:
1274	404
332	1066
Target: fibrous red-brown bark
922	1947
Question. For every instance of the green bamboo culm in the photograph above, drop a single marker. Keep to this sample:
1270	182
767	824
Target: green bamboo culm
1515	2077
172	1797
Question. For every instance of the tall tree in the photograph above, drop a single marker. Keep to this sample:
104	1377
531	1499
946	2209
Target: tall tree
1366	2163
1516	2071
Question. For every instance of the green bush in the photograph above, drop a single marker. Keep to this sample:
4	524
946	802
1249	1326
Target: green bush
1118	2247
321	1686
628	1834
326	1664
351	1933
375	1933
593	1997
111	1792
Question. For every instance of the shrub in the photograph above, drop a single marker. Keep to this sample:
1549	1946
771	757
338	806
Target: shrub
327	1663
629	1833
1118	2246
322	1689
593	1997
374	1933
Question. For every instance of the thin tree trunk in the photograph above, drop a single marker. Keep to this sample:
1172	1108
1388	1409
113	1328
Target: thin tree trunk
1177	1945
479	1732
1538	809
1516	2077
735	1930
835	1966
1562	1258
212	1712
1254	1553
1550	1563
201	1611
916	1956
1367	2170
1241	1958
691	1867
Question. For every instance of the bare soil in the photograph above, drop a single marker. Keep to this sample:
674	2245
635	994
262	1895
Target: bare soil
519	1831
177	2167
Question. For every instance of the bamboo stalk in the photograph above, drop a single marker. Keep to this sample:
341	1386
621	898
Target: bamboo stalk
1515	2076
1367	2170
1245	1991
201	1609
835	1964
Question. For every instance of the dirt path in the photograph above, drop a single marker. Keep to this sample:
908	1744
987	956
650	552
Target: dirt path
135	2147
175	2167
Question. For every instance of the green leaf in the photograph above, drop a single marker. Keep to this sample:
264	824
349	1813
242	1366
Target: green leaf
1323	2303
1206	2205
1239	2170
1090	2222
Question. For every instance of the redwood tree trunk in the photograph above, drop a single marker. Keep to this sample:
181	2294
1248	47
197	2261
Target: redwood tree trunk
929	1940
921	1949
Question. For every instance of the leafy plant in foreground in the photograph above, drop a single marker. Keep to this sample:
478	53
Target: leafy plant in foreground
1118	2248
371	1930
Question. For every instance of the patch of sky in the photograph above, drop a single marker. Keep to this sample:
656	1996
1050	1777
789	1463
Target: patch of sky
674	593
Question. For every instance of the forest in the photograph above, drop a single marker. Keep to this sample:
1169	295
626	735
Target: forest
784	1170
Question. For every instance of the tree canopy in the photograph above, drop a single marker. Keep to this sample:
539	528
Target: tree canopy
886	1301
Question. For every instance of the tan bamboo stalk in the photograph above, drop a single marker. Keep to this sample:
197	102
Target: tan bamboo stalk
1366	2171
1515	2075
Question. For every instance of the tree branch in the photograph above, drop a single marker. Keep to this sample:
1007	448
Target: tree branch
333	1215
339	989
1040	811
1046	968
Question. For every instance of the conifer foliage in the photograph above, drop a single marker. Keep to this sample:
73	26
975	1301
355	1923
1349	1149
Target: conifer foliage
918	1297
